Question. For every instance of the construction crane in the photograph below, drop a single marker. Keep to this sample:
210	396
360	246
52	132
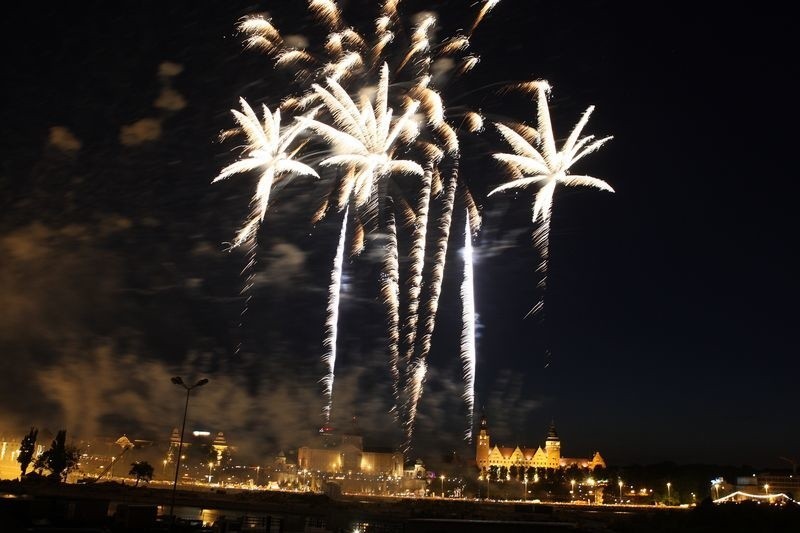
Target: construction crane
126	445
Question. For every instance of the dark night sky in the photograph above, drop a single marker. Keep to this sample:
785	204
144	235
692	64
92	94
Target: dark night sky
671	311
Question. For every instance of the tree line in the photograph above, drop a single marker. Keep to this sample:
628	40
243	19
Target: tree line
62	459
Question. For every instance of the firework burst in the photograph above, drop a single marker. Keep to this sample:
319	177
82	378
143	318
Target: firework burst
537	162
364	139
375	111
269	151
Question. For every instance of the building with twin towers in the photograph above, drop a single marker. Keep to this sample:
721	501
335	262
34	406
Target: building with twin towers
488	455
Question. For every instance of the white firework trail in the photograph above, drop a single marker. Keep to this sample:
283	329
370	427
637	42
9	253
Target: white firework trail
418	371
332	320
390	278
468	352
417	255
248	272
417	264
419	366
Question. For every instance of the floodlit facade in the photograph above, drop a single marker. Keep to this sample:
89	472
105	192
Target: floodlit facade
487	456
346	454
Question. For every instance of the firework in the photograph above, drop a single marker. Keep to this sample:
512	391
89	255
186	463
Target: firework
419	367
391	297
268	150
547	167
332	320
365	138
468	356
371	132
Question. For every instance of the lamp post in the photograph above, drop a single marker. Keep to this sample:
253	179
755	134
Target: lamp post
620	490
766	489
178	381
669	493
442	479
525	493
572	492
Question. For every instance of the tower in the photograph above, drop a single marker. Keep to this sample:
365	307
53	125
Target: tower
552	447
482	446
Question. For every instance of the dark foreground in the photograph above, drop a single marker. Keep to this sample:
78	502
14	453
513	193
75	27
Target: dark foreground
114	508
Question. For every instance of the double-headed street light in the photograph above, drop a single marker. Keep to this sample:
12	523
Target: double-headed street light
178	381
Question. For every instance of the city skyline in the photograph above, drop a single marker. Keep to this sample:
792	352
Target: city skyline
668	332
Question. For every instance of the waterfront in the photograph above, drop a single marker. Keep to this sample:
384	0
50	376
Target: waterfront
112	507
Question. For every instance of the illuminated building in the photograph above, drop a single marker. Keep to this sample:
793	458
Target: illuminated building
345	453
487	456
789	484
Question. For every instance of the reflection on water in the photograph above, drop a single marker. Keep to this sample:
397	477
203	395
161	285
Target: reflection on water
207	516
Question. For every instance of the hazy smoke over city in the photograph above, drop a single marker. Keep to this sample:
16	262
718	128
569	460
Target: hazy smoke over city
84	352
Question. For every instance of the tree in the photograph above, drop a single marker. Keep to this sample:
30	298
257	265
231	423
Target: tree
26	449
502	473
60	459
142	471
211	455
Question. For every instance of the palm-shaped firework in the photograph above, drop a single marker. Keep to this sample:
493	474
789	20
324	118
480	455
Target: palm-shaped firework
268	150
365	139
544	165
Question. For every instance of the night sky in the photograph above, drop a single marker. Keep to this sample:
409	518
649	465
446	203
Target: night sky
671	308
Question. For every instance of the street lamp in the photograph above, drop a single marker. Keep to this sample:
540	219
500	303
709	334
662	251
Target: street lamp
766	489
442	479
669	493
178	381
572	492
620	490
525	494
